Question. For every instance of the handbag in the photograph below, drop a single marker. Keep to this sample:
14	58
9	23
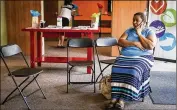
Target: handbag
105	86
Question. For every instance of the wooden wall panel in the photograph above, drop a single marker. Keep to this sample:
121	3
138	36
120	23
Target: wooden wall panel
88	7
17	17
122	16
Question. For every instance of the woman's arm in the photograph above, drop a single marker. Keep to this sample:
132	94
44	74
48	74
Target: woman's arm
125	43
148	42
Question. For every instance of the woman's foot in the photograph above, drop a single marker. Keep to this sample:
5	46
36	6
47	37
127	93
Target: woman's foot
120	104
111	105
60	46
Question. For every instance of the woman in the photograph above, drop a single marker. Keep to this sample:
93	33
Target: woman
66	12
131	70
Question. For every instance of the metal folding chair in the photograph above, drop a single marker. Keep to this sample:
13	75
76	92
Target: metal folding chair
8	51
80	43
104	42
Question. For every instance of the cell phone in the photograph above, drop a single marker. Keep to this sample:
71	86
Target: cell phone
139	25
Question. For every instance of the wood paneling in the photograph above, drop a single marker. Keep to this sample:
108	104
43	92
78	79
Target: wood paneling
88	7
50	14
17	17
104	23
122	16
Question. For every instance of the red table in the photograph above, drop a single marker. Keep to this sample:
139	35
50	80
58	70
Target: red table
52	32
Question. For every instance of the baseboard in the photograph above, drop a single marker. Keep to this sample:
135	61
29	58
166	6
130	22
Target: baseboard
164	59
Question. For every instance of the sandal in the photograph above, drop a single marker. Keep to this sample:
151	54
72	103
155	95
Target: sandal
120	104
60	46
111	105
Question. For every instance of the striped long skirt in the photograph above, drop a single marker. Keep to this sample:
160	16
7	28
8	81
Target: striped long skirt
130	77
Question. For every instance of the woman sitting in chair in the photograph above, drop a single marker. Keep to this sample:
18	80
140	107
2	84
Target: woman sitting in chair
131	71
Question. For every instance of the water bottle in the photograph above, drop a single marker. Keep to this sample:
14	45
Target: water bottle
42	24
59	21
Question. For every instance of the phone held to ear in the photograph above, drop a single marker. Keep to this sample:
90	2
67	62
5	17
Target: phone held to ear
139	25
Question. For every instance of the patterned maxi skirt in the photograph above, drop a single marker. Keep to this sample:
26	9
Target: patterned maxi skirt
130	77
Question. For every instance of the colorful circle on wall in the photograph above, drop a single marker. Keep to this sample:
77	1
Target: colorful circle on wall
158	27
167	42
158	6
169	17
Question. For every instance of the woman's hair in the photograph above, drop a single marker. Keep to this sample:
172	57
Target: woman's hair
143	17
67	2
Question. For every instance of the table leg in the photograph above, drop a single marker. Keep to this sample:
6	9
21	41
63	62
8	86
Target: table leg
39	48
32	52
89	53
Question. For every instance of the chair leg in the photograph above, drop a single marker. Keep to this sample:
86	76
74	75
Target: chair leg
40	89
92	77
94	81
17	87
92	73
9	95
142	99
24	98
99	76
101	73
69	73
14	89
28	83
34	78
68	77
150	89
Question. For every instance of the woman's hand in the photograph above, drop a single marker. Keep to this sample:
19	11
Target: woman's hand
139	29
147	42
139	45
73	12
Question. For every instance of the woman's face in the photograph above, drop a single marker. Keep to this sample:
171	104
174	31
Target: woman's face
137	21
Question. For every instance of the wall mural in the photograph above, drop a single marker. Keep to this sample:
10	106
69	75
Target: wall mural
162	19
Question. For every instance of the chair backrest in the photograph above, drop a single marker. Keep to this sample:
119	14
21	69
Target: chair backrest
106	42
10	50
80	43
